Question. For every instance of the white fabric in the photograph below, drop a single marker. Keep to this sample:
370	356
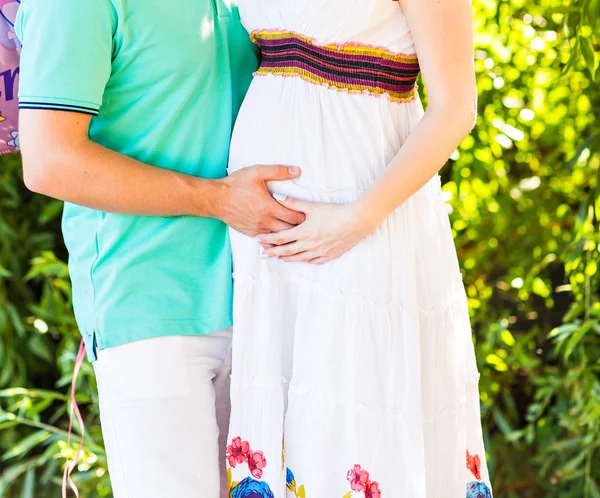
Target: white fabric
163	404
369	359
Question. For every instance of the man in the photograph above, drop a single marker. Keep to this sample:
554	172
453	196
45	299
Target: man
126	113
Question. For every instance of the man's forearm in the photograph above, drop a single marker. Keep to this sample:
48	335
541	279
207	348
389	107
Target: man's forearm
90	175
60	161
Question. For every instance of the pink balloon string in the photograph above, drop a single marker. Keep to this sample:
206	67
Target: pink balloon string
70	466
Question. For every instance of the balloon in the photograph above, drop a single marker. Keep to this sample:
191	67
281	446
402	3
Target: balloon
9	77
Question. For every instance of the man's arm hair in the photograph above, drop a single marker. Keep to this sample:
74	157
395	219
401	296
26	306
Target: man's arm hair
59	160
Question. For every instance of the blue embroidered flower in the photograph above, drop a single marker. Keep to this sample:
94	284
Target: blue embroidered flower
251	488
290	479
478	489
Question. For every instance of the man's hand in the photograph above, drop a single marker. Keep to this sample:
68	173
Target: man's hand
247	205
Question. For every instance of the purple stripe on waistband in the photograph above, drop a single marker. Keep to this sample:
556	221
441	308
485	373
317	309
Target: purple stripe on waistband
386	61
328	77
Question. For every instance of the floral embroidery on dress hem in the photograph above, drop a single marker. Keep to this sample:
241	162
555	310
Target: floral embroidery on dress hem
239	452
476	489
361	482
290	480
251	488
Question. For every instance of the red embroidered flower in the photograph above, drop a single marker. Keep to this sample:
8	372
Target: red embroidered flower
359	479
474	465
256	462
373	490
238	451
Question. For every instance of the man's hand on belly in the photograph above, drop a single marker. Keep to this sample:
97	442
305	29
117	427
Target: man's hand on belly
246	205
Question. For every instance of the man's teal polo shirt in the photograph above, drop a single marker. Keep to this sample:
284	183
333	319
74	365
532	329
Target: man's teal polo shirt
164	82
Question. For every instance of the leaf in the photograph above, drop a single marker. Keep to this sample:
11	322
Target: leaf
592	415
567	444
7	371
6	417
38	407
593	13
38	346
586	143
28	484
572	59
501	421
51	468
594	492
587	50
50	212
301	493
348	495
583	213
511	405
498	11
8	424
562	9
577	336
26	444
15	319
574	463
33	393
12	473
576	309
540	288
563	330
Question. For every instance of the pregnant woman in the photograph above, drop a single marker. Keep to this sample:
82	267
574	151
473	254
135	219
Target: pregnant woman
353	365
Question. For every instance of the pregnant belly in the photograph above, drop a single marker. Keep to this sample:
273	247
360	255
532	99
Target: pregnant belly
342	142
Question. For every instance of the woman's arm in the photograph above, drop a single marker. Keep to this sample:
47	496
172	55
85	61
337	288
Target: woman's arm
443	34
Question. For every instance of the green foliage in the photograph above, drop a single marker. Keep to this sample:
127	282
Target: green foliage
38	342
525	193
525	196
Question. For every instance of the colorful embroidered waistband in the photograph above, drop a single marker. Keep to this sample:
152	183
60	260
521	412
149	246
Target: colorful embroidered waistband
351	68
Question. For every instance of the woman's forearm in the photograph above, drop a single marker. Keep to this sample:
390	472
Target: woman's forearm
442	31
422	155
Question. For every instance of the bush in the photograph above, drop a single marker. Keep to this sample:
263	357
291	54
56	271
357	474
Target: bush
525	202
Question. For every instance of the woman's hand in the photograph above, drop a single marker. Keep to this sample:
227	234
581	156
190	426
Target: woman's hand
328	232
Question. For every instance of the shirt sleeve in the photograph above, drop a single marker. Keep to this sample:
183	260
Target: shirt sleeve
67	53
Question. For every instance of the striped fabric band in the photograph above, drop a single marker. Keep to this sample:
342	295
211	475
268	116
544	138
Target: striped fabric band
53	106
348	68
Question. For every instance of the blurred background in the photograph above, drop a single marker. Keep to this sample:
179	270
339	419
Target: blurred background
524	196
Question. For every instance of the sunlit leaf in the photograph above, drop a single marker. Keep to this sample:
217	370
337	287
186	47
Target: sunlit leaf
587	51
26	444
